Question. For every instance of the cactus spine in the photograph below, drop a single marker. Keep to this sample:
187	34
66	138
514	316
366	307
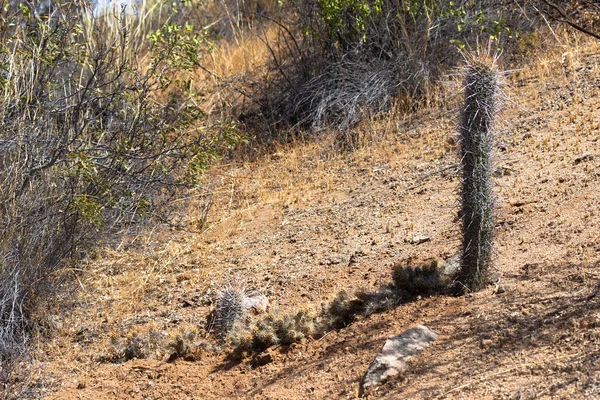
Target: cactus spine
477	200
229	309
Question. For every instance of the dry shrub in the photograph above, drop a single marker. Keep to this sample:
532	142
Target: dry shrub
334	62
86	147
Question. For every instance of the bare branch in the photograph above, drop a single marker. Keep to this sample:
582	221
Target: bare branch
565	19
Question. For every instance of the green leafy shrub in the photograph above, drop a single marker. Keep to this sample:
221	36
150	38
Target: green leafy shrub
347	20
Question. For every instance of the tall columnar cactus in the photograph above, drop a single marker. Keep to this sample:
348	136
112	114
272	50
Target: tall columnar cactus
477	200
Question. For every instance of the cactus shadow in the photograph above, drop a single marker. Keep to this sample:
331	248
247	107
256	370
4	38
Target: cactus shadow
532	333
516	328
330	353
411	281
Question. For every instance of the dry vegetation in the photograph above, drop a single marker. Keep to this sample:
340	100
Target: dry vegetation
315	222
305	221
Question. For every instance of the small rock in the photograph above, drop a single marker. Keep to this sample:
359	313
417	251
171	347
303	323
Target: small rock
499	289
391	361
583	157
519	202
187	303
451	266
418	239
361	252
503	170
255	304
262	359
334	260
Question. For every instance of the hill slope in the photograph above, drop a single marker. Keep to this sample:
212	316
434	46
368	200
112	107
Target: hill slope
289	224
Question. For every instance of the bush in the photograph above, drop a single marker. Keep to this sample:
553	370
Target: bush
87	145
336	61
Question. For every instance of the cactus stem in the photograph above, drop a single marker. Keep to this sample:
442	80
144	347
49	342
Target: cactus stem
477	200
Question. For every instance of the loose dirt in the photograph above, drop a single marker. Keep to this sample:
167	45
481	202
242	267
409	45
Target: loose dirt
307	221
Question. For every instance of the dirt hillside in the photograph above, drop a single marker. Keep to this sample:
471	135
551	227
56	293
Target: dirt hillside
307	221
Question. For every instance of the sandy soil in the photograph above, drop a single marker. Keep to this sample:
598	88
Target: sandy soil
305	222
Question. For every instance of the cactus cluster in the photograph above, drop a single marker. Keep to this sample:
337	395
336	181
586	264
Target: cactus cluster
272	330
476	144
418	277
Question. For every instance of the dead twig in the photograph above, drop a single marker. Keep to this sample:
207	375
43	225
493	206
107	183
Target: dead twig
565	19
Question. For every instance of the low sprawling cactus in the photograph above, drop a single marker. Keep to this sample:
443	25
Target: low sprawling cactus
477	200
416	277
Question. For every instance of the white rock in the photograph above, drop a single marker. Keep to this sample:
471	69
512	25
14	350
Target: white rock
255	304
391	361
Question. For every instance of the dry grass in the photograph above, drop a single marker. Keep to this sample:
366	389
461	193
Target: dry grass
132	279
285	176
141	284
247	55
